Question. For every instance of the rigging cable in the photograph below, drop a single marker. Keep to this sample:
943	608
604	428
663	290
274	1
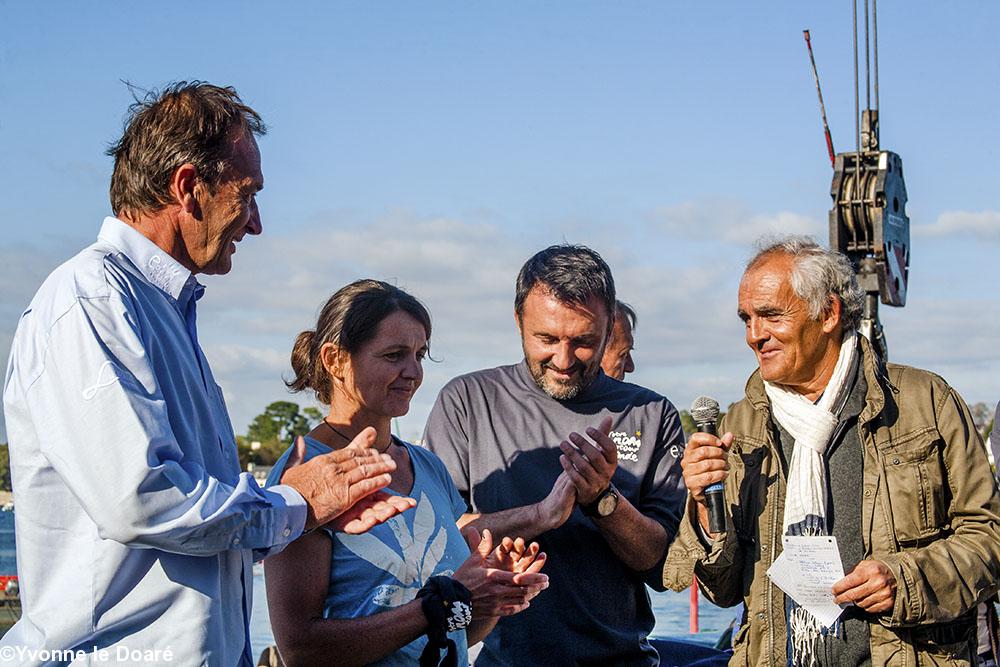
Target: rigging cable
868	61
855	208
875	46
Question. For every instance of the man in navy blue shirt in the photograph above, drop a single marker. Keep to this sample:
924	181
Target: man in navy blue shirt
553	449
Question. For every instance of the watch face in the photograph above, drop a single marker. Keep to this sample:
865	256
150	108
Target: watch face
607	504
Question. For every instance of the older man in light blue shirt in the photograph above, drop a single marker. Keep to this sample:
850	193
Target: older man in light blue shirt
135	530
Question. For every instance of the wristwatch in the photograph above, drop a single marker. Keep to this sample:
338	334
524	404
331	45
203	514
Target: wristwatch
604	504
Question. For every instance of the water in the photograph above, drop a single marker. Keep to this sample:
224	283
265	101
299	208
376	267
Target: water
671	610
8	562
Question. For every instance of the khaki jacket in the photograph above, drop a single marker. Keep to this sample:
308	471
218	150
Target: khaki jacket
931	512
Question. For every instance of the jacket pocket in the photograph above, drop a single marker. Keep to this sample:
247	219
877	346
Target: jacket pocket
915	475
741	643
949	644
745	461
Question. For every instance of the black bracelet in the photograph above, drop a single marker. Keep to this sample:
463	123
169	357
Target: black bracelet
447	604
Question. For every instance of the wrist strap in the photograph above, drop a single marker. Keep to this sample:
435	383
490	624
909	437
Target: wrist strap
447	604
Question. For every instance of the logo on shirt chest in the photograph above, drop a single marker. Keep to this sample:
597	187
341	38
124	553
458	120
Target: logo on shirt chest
413	557
103	380
628	444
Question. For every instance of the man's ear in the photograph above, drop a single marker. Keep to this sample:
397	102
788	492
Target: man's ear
831	314
182	188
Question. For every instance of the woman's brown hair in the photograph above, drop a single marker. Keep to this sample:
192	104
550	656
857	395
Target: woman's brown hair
349	319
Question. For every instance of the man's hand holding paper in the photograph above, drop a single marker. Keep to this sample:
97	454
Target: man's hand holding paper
871	586
807	570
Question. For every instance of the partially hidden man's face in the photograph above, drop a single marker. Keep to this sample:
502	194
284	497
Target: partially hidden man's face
617	360
563	343
792	348
228	211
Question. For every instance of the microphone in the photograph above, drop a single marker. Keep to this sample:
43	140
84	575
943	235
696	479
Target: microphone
705	412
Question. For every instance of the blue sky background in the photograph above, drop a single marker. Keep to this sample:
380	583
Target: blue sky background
438	145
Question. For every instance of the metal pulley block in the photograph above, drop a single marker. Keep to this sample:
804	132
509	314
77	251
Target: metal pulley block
868	221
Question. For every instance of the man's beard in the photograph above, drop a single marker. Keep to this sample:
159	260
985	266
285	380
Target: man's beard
564	391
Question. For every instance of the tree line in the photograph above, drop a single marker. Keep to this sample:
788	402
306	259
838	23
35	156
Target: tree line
271	432
276	428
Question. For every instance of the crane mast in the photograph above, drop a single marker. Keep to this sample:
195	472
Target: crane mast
868	220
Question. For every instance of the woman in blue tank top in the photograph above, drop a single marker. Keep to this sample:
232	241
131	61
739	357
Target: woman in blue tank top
409	588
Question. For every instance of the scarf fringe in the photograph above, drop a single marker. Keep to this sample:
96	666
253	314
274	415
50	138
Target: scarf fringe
805	634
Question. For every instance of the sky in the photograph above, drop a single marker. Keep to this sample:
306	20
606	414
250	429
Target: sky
438	145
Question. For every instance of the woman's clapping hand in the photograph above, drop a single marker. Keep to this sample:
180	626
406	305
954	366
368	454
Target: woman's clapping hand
502	579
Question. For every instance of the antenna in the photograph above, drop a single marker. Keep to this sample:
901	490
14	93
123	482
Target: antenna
822	107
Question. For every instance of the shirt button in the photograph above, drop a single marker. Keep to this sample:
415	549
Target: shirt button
868	493
895	462
286	532
236	541
760	615
763	547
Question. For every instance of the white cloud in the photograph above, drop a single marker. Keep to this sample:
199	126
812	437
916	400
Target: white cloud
682	282
960	330
783	222
689	339
983	225
730	221
699	219
246	361
464	272
24	269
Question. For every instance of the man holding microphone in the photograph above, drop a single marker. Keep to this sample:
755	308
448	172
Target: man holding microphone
831	441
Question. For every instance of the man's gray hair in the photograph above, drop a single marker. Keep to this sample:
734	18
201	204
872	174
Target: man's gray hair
623	310
818	274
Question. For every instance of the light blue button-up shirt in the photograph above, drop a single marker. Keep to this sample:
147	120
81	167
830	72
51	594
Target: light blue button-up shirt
135	529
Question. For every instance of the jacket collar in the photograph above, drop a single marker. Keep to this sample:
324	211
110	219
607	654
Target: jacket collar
755	392
874	376
874	401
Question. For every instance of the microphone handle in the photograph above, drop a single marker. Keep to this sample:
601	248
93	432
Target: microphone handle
714	494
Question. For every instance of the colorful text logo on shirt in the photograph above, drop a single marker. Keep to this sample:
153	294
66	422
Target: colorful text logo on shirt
628	444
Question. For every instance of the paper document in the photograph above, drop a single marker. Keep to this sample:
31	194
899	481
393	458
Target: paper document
806	571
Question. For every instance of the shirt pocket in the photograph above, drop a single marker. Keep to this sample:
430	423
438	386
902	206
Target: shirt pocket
916	480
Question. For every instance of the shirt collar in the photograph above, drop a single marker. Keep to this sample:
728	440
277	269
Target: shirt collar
159	268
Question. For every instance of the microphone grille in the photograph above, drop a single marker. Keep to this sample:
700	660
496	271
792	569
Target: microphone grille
704	409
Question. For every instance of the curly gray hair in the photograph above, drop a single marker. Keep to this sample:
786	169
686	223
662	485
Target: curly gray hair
817	275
